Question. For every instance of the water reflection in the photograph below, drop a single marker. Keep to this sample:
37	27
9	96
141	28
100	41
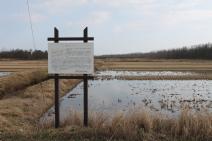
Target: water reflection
4	74
164	96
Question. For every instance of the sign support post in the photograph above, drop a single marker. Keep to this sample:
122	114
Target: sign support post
85	32
56	83
57	77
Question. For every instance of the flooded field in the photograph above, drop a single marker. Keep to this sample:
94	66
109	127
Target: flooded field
144	73
166	97
4	73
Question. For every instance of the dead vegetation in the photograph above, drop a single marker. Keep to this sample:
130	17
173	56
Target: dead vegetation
20	80
22	110
154	65
22	65
137	125
140	125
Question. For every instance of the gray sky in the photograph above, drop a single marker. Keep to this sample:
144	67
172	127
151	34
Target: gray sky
119	26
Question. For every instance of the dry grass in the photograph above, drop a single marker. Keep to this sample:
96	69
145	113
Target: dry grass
119	64
22	65
21	111
20	80
154	65
140	125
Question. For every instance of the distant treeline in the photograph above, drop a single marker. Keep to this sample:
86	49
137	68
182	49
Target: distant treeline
24	54
202	51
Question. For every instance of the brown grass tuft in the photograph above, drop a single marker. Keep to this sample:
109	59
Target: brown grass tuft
20	80
139	124
195	124
22	110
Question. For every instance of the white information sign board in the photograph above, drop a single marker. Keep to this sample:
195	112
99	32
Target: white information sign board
70	58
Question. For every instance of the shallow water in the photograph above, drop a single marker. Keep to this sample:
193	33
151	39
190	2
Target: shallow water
111	74
4	73
144	73
166	97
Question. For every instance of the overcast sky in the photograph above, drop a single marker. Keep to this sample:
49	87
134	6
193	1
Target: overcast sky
119	26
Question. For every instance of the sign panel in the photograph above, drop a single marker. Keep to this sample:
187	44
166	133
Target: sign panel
70	58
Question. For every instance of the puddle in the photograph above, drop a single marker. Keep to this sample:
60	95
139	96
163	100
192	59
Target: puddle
4	74
166	97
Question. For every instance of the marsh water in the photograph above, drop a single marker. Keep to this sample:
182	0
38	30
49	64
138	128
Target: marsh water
143	73
4	74
166	97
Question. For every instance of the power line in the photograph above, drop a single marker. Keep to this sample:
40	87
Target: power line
30	21
34	46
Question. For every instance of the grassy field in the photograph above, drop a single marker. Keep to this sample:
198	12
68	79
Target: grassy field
21	80
154	65
20	109
119	64
21	65
26	98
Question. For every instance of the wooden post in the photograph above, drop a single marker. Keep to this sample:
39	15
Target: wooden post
85	79
56	84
